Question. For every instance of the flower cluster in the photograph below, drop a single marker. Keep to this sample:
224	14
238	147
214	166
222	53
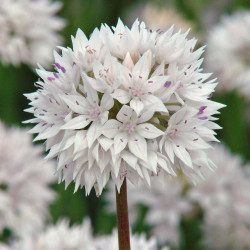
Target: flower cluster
224	198
166	205
59	236
78	237
228	53
24	183
28	31
136	241
126	102
161	17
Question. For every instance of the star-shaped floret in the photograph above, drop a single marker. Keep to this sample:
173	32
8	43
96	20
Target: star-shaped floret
138	86
130	129
87	109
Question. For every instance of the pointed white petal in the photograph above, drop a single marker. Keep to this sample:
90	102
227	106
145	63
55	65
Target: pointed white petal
77	104
107	102
124	114
80	141
137	105
141	69
138	146
90	93
120	142
78	122
93	133
129	158
145	116
111	128
148	131
183	155
121	95
105	142
152	161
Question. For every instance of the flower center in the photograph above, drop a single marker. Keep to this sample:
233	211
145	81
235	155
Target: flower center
173	134
95	113
136	92
129	127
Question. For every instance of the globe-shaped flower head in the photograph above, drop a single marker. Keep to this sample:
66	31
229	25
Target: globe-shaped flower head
29	31
126	102
228	52
25	178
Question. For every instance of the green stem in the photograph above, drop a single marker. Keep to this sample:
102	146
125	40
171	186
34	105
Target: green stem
159	126
165	117
172	104
122	217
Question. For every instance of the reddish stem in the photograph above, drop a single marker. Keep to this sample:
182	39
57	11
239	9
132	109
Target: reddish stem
122	217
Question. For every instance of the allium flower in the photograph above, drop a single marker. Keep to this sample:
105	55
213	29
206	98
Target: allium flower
228	52
136	241
24	183
160	17
225	199
127	102
78	237
166	205
28	31
4	247
58	237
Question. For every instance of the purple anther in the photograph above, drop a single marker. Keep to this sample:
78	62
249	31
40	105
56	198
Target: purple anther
51	78
55	75
63	69
201	110
203	118
167	84
58	65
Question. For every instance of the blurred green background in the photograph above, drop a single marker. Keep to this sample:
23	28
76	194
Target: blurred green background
88	14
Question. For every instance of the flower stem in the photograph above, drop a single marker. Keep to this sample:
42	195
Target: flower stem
122	217
159	126
172	104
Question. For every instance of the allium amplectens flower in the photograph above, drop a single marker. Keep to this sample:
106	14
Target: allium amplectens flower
136	242
228	52
224	198
24	183
127	102
58	237
78	237
160	17
28	31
